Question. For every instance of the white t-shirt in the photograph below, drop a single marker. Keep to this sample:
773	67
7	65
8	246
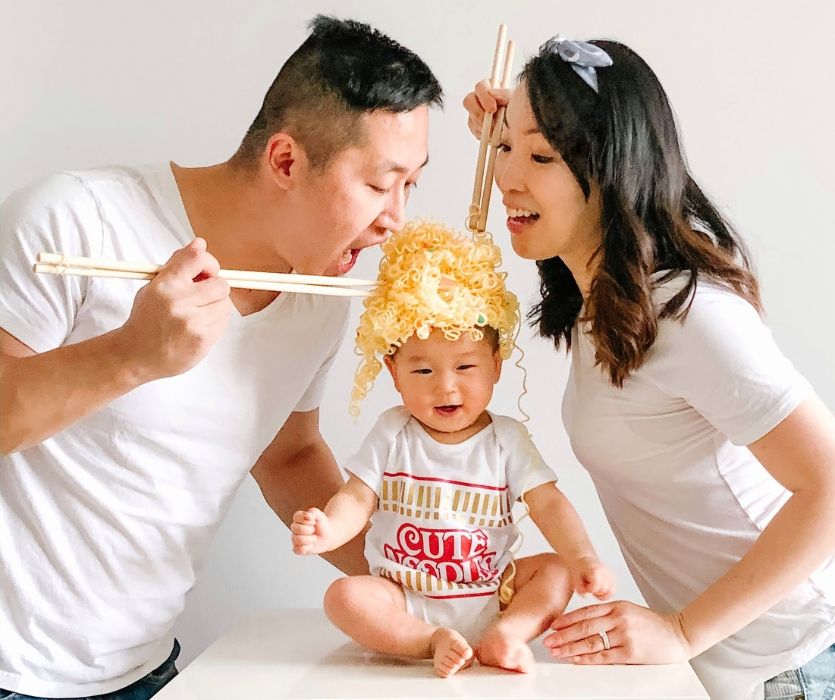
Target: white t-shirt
103	526
443	525
684	496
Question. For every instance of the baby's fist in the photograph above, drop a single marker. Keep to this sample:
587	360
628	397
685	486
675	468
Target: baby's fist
309	531
591	576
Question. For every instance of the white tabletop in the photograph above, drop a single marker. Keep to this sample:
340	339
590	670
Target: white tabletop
299	654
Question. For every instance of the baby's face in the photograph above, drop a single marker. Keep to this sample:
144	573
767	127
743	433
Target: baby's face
446	384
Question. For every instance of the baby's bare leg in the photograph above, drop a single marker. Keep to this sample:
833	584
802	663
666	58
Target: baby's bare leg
542	590
372	611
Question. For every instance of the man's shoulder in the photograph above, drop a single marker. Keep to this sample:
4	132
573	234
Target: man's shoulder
64	190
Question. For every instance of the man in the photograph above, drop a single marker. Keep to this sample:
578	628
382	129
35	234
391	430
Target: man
131	413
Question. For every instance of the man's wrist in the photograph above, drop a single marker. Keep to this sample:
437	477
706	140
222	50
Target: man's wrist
129	369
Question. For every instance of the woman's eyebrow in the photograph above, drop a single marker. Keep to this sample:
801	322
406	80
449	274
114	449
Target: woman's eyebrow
532	130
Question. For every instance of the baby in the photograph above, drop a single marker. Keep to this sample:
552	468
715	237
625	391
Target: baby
438	476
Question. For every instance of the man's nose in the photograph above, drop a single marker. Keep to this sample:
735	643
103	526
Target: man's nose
393	217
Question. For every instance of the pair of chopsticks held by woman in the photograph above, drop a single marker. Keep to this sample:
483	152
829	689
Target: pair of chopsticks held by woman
131	417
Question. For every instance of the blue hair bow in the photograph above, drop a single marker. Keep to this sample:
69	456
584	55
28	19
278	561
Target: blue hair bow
581	56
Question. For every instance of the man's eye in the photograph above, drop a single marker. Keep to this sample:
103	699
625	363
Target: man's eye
378	190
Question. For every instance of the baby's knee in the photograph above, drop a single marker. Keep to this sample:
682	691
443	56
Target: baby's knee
552	567
340	596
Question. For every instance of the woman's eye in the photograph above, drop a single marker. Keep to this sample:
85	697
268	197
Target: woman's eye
536	158
504	148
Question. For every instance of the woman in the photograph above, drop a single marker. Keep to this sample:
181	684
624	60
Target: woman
717	473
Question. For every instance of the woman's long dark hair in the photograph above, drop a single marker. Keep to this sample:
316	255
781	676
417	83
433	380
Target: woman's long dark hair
654	215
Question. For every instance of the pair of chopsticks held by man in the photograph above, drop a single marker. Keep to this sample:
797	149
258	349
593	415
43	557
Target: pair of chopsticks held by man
136	396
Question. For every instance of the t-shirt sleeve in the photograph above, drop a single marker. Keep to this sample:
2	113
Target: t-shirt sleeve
724	362
312	397
56	215
524	465
370	461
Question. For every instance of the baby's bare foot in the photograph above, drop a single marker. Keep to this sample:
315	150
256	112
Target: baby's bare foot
503	651
450	652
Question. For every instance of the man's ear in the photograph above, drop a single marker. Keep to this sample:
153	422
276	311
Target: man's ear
286	159
390	366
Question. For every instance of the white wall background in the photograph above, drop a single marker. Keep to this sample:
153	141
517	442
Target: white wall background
88	83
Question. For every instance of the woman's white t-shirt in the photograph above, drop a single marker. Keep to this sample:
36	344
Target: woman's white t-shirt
684	496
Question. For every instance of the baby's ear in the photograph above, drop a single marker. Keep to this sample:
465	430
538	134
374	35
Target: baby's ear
388	360
497	365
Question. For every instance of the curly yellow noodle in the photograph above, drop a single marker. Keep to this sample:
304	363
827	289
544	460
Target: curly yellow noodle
432	278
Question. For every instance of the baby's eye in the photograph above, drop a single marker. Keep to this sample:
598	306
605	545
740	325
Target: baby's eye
423	370
465	366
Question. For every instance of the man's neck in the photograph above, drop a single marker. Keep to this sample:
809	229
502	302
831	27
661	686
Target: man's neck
227	206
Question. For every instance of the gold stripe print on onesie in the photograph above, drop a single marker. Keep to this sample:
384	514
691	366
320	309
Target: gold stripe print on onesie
469	505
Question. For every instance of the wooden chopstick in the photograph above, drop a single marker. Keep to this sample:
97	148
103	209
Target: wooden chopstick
484	142
241	279
494	143
120	265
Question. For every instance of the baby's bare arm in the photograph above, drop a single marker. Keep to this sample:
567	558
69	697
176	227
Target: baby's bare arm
559	522
345	515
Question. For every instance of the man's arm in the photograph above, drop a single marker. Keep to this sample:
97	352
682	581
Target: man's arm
173	323
298	471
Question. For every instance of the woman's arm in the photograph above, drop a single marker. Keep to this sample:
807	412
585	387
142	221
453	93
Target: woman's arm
800	454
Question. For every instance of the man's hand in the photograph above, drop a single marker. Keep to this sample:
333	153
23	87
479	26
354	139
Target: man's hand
312	531
179	315
590	576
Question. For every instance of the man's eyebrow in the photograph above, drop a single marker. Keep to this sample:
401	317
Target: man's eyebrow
529	132
392	167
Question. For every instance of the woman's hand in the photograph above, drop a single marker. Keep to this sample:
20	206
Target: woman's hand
635	635
483	99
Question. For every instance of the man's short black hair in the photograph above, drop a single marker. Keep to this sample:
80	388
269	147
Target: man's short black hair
342	70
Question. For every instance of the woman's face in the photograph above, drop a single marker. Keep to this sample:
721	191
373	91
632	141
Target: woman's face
547	213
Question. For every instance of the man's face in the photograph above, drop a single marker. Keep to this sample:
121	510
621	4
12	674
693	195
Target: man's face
361	194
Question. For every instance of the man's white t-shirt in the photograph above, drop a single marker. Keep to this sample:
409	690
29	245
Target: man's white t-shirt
443	527
103	526
684	496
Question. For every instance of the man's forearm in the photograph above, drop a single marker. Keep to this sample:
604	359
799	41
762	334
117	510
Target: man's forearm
307	480
41	395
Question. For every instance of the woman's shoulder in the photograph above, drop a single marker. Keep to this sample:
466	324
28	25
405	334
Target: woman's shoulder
710	304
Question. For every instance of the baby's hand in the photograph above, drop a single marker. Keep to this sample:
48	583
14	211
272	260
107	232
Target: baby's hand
590	576
311	530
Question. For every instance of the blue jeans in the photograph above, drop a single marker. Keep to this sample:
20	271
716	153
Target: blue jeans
144	688
812	681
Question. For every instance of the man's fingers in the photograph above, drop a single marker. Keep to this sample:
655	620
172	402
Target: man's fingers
190	262
209	291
